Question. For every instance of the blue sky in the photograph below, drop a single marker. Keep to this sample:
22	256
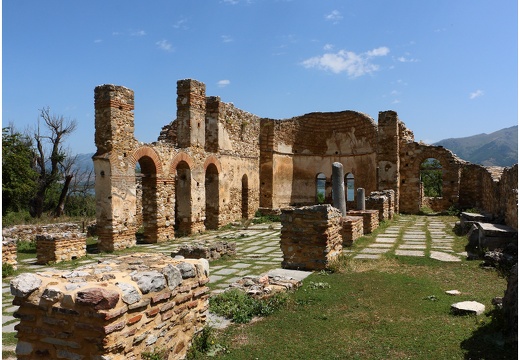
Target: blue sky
448	67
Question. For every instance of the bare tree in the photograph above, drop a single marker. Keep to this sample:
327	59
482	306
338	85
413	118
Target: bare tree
50	161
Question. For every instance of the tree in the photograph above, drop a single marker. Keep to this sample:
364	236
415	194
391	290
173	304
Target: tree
19	179
51	160
431	177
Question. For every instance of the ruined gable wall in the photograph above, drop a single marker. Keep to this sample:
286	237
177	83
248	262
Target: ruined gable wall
302	147
478	189
412	155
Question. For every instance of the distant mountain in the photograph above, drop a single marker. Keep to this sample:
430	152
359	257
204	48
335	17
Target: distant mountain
499	148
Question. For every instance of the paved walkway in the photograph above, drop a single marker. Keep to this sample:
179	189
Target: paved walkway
258	250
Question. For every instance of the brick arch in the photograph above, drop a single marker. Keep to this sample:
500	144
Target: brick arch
445	157
181	156
149	152
212	159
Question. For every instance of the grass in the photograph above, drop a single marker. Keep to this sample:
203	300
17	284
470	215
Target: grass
391	308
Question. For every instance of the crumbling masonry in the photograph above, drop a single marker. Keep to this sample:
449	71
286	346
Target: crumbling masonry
216	163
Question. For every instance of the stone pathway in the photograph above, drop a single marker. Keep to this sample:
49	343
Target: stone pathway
258	251
413	236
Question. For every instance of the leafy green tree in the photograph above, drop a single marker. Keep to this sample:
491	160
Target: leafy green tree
19	179
431	177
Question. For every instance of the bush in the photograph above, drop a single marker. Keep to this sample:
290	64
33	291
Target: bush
241	308
16	218
28	247
7	270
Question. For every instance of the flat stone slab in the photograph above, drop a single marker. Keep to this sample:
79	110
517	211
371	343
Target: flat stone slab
227	271
453	292
295	274
442	256
381	245
412	247
386	240
468	308
496	229
416	253
373	251
366	256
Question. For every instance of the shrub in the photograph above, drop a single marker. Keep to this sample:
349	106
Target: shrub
7	270
241	308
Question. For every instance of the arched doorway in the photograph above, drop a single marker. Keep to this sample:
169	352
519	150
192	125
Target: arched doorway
431	178
183	199
146	200
245	197
211	186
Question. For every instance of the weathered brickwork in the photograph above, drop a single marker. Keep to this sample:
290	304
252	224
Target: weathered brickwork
114	310
59	247
311	237
370	219
215	164
382	201
352	229
9	252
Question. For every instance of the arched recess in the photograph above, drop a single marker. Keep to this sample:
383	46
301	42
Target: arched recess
350	187
183	198
245	197
146	199
321	181
211	186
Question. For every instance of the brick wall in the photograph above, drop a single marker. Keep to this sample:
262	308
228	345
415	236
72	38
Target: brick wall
311	237
114	310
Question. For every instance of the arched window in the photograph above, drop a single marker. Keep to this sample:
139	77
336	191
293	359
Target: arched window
321	179
431	177
349	186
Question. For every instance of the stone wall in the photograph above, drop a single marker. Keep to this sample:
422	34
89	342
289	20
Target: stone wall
370	219
295	151
9	254
508	190
382	201
311	237
116	309
352	229
29	232
60	247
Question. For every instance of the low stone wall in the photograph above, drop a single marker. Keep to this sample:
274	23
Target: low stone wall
209	251
9	252
113	310
310	237
370	219
29	232
352	229
60	247
382	201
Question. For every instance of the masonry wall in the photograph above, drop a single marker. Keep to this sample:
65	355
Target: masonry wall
117	309
412	156
296	150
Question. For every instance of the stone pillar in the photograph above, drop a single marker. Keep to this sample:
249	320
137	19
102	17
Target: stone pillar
361	199
338	188
191	113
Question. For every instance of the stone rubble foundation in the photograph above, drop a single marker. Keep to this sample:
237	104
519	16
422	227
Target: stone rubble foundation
55	248
114	310
9	252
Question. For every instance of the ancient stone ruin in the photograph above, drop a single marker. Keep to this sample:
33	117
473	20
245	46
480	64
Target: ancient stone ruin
117	309
215	164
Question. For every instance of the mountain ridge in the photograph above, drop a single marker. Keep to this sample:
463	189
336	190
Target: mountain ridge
499	148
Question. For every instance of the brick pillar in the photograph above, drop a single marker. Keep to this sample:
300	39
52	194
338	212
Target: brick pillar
388	153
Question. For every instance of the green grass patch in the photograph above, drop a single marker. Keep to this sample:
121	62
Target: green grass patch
241	308
385	309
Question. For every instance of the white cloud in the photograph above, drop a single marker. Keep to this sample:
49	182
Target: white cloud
335	16
404	59
226	38
181	24
223	83
97	41
164	45
328	47
476	94
138	33
347	61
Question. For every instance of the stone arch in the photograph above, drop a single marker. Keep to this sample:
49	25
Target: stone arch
146	151
181	156
212	159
